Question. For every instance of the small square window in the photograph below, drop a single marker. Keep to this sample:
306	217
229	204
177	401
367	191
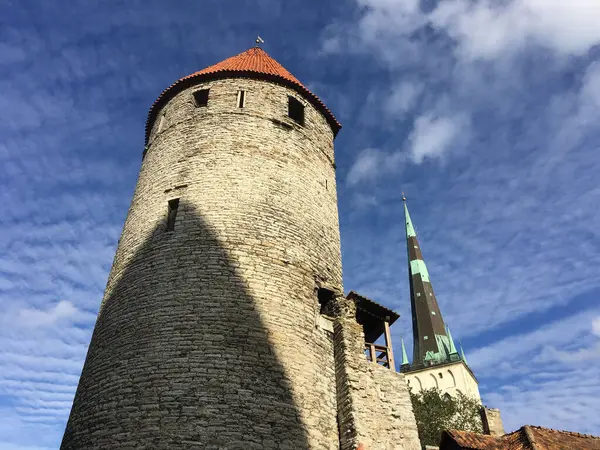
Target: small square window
433	313
418	294
296	110
425	338
201	97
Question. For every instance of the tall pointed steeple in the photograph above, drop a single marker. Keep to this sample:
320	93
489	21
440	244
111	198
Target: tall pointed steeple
432	343
404	362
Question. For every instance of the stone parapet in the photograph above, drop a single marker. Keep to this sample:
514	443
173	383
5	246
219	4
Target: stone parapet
374	406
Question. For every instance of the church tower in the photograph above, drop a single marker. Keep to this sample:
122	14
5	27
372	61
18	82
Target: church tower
436	360
223	324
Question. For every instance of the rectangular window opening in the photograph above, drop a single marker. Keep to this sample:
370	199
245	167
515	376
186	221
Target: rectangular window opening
325	297
161	124
241	98
296	110
172	214
201	97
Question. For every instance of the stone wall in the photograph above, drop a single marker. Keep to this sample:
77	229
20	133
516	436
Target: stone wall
374	406
208	335
492	421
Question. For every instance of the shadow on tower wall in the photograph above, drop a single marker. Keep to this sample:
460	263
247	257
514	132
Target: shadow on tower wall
180	357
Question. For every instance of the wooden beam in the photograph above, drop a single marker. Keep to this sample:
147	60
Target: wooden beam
388	344
373	354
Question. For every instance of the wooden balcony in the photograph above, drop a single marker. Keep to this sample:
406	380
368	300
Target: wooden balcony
380	354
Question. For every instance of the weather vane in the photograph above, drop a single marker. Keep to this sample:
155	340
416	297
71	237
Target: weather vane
259	41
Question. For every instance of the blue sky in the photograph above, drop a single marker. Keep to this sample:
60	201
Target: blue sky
485	113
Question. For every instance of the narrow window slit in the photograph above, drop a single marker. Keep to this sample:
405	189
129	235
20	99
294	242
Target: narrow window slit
172	214
241	98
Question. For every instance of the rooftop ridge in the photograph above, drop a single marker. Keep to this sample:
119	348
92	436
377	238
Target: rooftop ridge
571	433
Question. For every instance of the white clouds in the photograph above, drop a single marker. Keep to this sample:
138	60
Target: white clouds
509	233
546	376
596	326
488	29
372	163
590	92
397	16
432	136
403	97
33	317
549	340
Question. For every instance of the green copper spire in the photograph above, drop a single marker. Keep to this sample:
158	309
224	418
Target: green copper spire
410	230
432	344
452	346
404	357
462	355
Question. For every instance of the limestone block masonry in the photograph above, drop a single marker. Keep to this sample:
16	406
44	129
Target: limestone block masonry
374	406
206	336
209	335
492	421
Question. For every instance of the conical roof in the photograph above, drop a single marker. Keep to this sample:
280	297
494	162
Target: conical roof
253	63
255	60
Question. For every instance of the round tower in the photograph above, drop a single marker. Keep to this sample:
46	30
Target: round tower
209	332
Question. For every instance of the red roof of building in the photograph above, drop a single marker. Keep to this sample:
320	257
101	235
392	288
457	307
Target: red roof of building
525	438
253	63
254	59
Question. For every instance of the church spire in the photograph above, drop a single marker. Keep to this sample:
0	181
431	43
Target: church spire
404	362
432	343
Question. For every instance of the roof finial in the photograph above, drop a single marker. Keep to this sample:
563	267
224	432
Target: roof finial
259	41
403	197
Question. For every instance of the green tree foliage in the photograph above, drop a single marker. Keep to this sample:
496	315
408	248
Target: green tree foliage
436	412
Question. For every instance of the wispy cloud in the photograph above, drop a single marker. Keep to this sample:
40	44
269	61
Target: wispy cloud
508	102
529	375
488	29
505	94
432	136
372	163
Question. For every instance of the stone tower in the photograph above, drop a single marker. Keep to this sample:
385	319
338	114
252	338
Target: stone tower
223	324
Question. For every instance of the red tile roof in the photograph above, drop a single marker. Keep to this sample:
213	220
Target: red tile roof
526	438
255	60
253	63
548	439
